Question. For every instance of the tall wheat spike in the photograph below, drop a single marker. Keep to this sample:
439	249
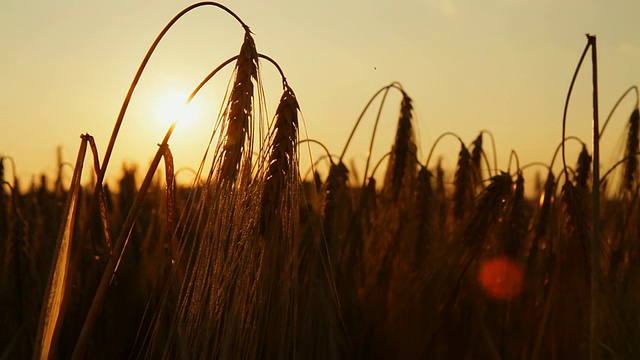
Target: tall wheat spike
463	193
631	151
240	111
583	169
544	214
442	207
220	260
574	264
428	226
402	167
516	222
476	160
279	238
337	215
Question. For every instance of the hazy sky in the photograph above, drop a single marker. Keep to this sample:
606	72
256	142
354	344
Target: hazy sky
500	65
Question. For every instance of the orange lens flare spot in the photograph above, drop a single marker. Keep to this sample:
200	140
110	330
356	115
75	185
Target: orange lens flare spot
501	277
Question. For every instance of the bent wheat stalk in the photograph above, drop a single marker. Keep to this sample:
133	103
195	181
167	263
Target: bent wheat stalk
50	317
118	249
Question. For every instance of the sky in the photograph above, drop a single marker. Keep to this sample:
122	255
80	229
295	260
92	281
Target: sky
498	65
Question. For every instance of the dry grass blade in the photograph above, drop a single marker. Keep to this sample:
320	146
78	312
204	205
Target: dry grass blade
50	321
171	199
118	250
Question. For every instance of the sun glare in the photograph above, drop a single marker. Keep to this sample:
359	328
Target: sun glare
172	106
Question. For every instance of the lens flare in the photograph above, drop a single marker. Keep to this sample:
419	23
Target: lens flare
501	277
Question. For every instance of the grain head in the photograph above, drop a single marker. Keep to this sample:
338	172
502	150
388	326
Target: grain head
401	168
583	169
631	151
240	108
464	188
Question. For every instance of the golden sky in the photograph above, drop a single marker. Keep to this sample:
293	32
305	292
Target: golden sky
500	65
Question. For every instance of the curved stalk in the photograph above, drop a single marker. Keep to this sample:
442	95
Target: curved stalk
618	163
373	137
606	122
355	127
535	163
493	148
566	103
123	238
326	150
513	155
118	251
136	78
13	168
448	133
561	147
486	163
375	168
227	62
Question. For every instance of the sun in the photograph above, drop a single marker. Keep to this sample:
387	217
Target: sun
171	105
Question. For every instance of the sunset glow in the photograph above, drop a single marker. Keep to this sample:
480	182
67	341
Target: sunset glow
322	180
170	106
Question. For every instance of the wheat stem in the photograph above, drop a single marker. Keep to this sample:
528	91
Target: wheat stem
535	163
561	146
606	122
566	105
513	155
227	62
436	143
84	230
355	127
118	250
51	315
375	168
595	240
618	163
493	147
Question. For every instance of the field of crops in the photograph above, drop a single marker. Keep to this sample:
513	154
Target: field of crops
253	260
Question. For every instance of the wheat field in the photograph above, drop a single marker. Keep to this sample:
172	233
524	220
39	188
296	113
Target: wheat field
256	260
